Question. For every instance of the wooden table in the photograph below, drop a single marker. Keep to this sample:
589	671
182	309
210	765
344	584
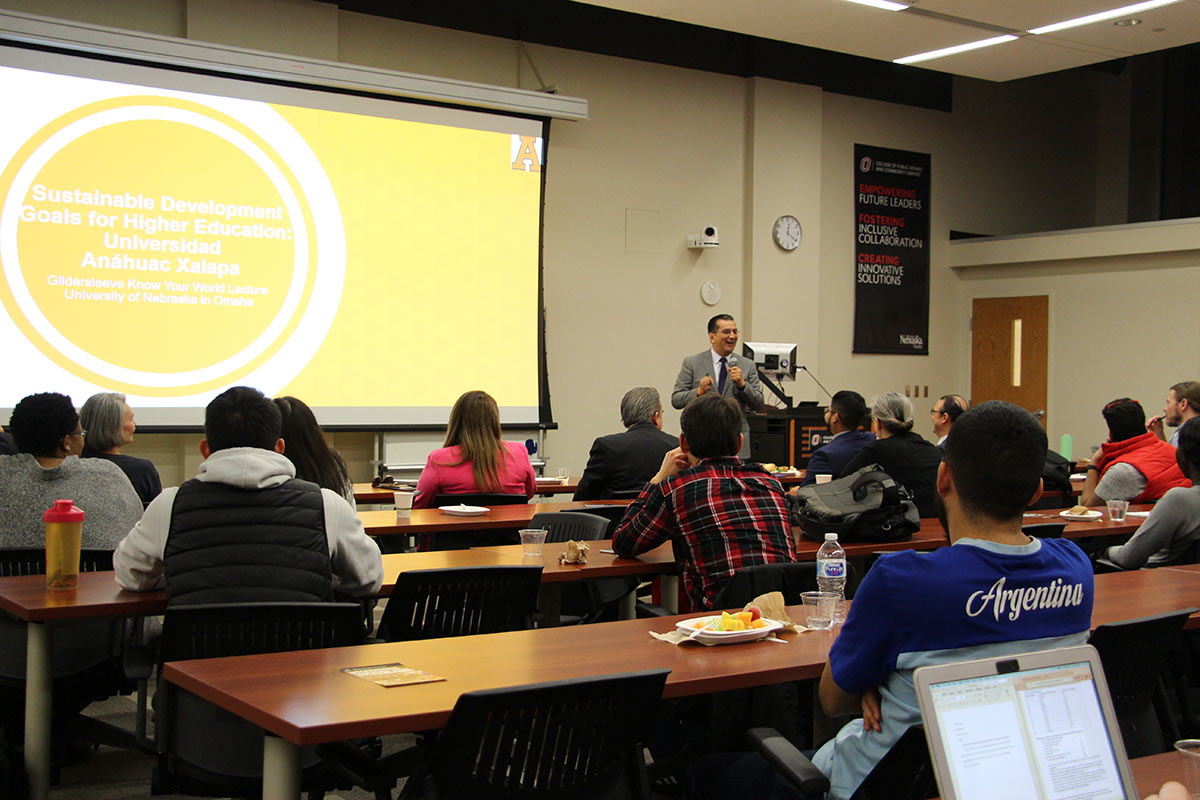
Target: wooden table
433	520
1102	526
366	493
99	597
318	703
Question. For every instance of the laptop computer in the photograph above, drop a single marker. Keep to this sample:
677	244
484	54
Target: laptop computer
1037	725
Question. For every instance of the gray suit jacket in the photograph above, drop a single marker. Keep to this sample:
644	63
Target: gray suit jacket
750	398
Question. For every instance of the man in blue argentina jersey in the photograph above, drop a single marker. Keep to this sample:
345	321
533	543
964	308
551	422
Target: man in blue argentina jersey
995	591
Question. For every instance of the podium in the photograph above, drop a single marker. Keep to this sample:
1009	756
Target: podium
787	436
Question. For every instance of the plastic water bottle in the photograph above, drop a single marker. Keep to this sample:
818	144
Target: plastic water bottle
831	573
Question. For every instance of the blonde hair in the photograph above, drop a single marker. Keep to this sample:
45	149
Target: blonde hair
475	429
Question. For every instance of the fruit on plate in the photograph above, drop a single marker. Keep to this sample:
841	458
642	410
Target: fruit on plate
731	623
755	612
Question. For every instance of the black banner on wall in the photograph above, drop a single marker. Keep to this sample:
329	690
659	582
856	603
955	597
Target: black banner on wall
891	252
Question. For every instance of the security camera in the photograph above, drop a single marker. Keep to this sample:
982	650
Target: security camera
708	238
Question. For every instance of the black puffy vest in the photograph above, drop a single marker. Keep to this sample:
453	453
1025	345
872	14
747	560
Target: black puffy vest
233	545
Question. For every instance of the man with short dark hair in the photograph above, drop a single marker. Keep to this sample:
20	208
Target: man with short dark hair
720	513
622	462
845	415
995	591
718	370
946	410
1134	464
245	529
1183	403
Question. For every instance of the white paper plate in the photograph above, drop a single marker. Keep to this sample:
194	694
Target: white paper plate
1088	517
465	511
791	473
727	637
554	481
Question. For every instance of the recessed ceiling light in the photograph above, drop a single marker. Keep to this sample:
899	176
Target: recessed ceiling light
886	5
949	51
1127	23
1103	15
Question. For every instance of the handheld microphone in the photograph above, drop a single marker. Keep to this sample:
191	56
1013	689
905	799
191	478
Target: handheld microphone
814	377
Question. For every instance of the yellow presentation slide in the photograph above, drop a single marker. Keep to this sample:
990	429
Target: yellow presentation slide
169	244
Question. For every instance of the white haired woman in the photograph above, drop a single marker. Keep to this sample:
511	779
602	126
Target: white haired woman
108	420
907	457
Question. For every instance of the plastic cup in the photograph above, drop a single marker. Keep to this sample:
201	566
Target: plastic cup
1189	753
532	541
404	503
823	478
1117	510
64	533
564	475
819	608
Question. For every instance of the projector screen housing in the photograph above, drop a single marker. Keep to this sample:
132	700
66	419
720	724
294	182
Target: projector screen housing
167	233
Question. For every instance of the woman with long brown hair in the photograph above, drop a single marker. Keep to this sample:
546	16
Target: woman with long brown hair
474	459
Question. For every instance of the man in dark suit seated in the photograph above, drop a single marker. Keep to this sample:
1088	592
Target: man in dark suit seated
626	461
845	415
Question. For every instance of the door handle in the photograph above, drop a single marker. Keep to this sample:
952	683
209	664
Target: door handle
1040	413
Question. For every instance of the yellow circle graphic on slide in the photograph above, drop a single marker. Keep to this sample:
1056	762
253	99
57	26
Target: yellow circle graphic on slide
159	246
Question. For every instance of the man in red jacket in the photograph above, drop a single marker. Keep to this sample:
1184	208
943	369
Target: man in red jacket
1134	464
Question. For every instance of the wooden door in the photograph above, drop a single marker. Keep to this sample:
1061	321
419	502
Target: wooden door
1009	338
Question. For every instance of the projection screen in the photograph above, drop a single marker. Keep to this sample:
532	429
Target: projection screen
168	234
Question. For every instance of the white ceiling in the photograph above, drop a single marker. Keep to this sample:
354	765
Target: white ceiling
934	24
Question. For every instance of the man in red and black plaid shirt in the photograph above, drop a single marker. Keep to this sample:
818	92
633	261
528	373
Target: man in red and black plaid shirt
719	512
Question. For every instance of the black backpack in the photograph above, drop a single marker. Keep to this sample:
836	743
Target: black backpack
1056	474
865	506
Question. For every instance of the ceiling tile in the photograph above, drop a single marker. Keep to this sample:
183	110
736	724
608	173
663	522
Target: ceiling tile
1018	59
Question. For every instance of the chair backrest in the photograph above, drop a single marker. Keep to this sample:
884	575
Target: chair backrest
562	526
479	499
572	738
749	582
238	629
32	561
1133	653
904	773
207	750
432	603
1045	530
614	515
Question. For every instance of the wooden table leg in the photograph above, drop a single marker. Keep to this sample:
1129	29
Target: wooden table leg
38	687
628	606
281	769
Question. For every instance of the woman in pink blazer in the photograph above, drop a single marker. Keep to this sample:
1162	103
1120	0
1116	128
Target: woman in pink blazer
474	459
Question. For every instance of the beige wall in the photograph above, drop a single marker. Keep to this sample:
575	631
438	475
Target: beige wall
668	150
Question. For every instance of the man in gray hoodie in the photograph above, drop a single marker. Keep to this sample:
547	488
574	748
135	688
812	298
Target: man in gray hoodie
245	529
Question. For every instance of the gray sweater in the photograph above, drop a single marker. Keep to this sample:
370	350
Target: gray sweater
1172	526
97	486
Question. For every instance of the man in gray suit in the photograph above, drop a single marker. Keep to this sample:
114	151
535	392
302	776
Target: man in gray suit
719	370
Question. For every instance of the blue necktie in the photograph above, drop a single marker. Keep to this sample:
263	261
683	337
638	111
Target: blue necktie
721	377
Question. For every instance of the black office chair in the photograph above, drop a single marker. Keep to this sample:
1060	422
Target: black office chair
205	750
563	739
1133	653
904	773
587	601
462	540
625	494
32	561
432	603
561	526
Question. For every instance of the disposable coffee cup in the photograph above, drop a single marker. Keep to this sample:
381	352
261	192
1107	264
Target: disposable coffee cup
532	541
1189	754
404	503
823	478
819	608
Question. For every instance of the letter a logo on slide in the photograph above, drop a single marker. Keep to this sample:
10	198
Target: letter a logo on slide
527	151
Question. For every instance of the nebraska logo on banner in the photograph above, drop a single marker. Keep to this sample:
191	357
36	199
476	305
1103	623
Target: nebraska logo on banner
891	252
